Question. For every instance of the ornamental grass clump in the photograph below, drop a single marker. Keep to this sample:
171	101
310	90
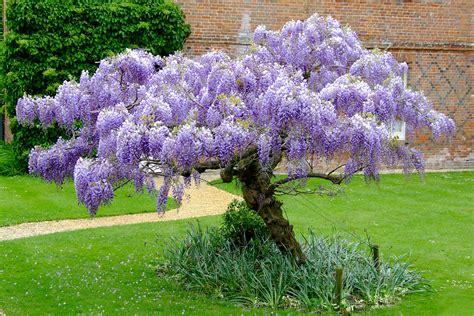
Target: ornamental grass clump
258	274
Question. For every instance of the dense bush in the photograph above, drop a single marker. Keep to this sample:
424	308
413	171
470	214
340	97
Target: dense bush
50	41
241	224
259	275
8	164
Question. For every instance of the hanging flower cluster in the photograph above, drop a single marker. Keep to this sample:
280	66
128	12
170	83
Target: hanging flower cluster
308	90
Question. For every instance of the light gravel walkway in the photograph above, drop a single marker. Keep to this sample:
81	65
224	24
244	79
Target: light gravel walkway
203	200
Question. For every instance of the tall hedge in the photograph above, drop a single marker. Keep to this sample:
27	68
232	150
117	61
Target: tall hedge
50	41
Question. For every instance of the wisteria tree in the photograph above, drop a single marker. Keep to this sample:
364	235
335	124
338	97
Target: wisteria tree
307	92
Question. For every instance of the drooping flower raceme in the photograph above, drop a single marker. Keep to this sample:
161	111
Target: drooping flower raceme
308	90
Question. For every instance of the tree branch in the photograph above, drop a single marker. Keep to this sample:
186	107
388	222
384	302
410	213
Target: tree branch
208	165
335	169
336	179
199	167
122	184
134	103
186	92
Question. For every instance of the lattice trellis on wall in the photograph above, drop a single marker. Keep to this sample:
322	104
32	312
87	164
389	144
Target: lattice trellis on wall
445	78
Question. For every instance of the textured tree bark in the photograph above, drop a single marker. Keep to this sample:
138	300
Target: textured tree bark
255	183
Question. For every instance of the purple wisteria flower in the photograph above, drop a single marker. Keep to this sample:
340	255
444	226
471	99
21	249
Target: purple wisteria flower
308	90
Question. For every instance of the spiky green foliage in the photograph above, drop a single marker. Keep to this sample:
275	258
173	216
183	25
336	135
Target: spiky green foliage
257	274
8	164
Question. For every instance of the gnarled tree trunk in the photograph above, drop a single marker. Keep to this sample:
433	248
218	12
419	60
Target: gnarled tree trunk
255	183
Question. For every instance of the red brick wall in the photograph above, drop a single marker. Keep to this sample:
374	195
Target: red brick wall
435	37
446	78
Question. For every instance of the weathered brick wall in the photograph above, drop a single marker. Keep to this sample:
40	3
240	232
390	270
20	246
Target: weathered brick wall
435	37
446	78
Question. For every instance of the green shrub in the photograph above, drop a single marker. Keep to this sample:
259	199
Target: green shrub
50	41
259	275
241	224
8	163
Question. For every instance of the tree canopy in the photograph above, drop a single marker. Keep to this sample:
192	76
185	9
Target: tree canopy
309	90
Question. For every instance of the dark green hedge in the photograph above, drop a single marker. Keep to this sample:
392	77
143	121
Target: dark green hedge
50	41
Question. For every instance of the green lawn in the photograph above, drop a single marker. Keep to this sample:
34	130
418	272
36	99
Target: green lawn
107	269
30	199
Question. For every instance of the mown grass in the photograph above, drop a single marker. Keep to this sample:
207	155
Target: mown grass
30	199
108	269
105	270
432	220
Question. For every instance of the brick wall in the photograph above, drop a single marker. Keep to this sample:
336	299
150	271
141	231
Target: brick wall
435	37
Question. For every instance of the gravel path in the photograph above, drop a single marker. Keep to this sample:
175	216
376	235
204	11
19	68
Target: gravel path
203	200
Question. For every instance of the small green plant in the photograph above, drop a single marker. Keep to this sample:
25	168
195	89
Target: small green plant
8	163
241	224
257	274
